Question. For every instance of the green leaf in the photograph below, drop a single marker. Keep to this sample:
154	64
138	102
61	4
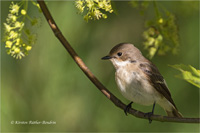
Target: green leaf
188	73
195	71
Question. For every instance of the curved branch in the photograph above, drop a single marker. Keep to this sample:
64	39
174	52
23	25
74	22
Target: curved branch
96	82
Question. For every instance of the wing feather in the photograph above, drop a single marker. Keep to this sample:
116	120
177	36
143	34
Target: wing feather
156	79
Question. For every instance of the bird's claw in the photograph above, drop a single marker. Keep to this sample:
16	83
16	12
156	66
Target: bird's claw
127	108
149	114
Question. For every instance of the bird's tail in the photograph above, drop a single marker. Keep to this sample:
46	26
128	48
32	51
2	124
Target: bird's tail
174	113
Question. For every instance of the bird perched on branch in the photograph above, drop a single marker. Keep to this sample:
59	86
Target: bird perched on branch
139	80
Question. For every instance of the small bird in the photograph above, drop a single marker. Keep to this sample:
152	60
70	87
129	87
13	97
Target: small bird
139	80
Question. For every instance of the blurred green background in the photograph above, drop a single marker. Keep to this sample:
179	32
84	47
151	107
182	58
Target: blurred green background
47	84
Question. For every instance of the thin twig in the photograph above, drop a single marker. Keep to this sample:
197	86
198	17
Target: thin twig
96	82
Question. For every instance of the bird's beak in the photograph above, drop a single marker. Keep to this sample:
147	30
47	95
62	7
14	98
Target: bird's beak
106	57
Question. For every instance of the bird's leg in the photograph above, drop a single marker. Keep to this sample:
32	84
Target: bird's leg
149	114
127	108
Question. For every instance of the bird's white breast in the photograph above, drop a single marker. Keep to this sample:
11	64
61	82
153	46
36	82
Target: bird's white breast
135	86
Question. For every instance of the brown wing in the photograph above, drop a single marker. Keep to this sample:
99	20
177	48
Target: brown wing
156	79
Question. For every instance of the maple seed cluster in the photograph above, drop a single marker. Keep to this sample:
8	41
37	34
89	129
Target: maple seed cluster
94	8
18	39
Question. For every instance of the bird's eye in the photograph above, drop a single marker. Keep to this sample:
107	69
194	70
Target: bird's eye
119	54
